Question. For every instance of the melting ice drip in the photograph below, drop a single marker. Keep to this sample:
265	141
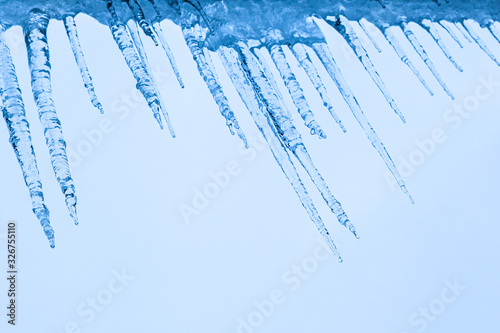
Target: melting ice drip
239	32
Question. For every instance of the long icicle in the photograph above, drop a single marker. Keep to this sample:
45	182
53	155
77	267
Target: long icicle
421	52
295	90
144	81
480	42
392	39
163	41
212	84
430	27
347	32
20	137
326	58
365	26
136	9
305	61
289	135
269	74
446	25
35	31
71	30
464	32
136	38
494	30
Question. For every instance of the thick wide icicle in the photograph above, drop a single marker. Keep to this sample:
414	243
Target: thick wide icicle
295	90
163	41
421	52
345	29
269	74
212	84
392	39
366	28
136	9
480	42
430	27
71	30
20	137
494	30
446	25
136	38
305	61
464	32
326	58
144	81
35	31
289	135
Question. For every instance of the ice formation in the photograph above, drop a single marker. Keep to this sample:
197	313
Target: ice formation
243	33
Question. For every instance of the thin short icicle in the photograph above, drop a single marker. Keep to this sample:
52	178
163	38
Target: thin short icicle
20	137
212	84
266	127
480	42
392	39
446	25
345	29
35	31
431	28
326	58
365	26
421	52
136	38
269	74
168	51
464	32
136	9
305	61
494	30
289	135
71	30
295	90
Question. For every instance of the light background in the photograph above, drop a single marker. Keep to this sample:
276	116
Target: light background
204	275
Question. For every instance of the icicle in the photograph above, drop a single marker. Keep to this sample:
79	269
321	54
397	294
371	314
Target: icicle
144	80
266	127
344	28
288	133
429	25
480	42
196	4
168	51
326	58
494	30
303	58
135	7
450	31
392	39
212	84
136	38
269	74
20	138
295	90
421	52
35	30
364	25
71	30
464	32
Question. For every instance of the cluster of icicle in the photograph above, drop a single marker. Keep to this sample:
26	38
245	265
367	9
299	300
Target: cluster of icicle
246	66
